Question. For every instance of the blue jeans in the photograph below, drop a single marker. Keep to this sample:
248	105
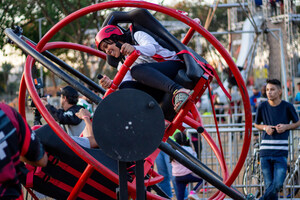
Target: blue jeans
164	168
274	172
182	181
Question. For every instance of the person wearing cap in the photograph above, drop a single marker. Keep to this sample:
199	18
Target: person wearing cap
66	115
153	72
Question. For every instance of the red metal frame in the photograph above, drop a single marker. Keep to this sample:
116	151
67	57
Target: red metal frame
122	72
92	163
187	114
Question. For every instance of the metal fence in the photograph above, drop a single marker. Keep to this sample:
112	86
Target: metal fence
250	179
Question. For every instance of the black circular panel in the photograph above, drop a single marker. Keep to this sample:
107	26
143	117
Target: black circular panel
128	125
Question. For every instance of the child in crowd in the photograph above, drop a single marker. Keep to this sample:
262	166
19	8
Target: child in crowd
183	175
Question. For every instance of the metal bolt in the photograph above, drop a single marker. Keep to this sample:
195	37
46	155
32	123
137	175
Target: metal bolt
151	104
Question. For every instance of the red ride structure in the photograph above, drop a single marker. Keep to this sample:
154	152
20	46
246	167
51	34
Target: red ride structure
188	113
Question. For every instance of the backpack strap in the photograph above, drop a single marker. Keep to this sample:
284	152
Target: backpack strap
204	67
55	161
10	114
48	179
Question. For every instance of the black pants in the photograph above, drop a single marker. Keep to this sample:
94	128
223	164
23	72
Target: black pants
158	75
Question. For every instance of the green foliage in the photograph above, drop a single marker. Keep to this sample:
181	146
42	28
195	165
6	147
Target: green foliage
9	10
25	13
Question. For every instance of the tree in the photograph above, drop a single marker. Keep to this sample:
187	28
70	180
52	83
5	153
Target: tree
9	10
25	13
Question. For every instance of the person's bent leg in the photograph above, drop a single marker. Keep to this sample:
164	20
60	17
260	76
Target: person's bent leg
181	185
158	75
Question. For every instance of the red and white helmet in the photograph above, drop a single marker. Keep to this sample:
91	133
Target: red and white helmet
106	32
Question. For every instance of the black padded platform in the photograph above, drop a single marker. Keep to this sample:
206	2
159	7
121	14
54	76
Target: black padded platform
142	20
55	147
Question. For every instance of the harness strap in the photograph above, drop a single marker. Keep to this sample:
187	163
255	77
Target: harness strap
29	176
77	174
31	172
160	58
216	122
62	185
205	66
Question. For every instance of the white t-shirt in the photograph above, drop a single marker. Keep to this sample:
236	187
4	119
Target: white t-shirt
148	48
74	130
83	141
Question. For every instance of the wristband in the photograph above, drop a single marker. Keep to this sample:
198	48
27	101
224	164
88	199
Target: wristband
264	128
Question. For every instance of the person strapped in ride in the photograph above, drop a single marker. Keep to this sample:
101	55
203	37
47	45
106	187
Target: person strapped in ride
153	72
17	143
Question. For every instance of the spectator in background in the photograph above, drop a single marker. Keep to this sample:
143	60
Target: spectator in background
164	168
17	142
263	96
66	116
273	7
274	117
297	98
234	106
253	99
183	175
264	91
219	107
281	7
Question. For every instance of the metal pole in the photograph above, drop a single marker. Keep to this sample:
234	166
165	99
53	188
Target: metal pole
283	69
52	67
40	36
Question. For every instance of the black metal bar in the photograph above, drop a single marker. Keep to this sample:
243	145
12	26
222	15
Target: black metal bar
123	192
159	191
140	186
176	146
70	69
52	67
76	73
200	172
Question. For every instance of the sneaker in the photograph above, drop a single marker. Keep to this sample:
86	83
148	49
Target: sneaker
193	195
204	190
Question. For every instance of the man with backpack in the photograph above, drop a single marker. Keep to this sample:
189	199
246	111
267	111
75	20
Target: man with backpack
17	143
